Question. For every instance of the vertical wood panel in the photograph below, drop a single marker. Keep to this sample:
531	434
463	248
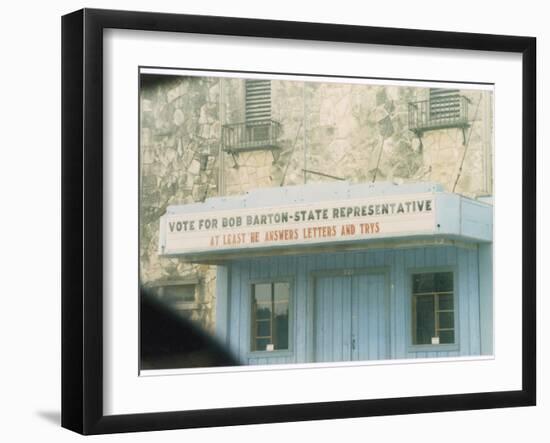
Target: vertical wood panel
463	299
370	298
388	258
400	336
300	309
441	256
309	309
347	319
485	287
379	257
419	259
235	298
383	318
451	256
320	319
222	303
362	345
287	268
473	299
337	320
362	260
410	258
390	261
410	262
369	258
349	260
244	326
429	257
325	315
334	261
369	321
329	327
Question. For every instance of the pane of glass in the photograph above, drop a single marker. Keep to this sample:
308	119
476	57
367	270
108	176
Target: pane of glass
263	329
282	291
262	292
281	308
281	331
423	283
446	320
178	293
444	281
425	319
261	344
446	301
446	337
263	312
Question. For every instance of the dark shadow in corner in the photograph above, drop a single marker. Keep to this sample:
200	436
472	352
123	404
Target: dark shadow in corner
169	341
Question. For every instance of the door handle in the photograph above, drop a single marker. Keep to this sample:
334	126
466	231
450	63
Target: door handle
353	342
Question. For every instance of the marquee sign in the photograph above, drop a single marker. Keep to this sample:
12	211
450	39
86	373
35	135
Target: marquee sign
183	232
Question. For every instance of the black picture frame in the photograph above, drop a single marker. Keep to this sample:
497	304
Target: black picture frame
82	215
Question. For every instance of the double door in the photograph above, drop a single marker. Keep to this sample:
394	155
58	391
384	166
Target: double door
351	317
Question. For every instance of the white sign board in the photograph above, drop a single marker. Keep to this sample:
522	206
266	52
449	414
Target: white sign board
297	225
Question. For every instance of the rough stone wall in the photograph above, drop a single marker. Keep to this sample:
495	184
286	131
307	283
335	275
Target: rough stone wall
355	132
444	151
360	133
179	142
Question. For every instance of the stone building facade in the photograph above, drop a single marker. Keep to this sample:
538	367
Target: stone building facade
327	131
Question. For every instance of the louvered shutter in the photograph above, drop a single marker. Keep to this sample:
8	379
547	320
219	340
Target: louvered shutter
444	105
258	100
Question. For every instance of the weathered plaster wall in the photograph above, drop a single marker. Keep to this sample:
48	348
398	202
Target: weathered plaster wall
355	132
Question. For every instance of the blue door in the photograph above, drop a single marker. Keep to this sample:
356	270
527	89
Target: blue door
351	317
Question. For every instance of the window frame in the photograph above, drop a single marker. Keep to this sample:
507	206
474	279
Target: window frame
277	353
442	347
159	285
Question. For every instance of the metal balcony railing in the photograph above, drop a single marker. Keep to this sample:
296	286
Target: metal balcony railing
251	136
427	115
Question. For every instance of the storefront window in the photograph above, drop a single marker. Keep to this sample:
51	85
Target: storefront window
270	306
433	308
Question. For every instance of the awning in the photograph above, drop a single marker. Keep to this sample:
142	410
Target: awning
321	217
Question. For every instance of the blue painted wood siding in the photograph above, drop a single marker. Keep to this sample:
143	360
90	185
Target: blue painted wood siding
385	274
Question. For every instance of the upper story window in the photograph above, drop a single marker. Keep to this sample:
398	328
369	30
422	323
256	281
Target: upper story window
433	308
444	109
270	313
259	131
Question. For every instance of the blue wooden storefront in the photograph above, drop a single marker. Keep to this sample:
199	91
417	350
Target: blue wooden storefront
365	294
353	301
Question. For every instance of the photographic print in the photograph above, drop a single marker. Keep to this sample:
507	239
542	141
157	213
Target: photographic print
298	221
251	205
